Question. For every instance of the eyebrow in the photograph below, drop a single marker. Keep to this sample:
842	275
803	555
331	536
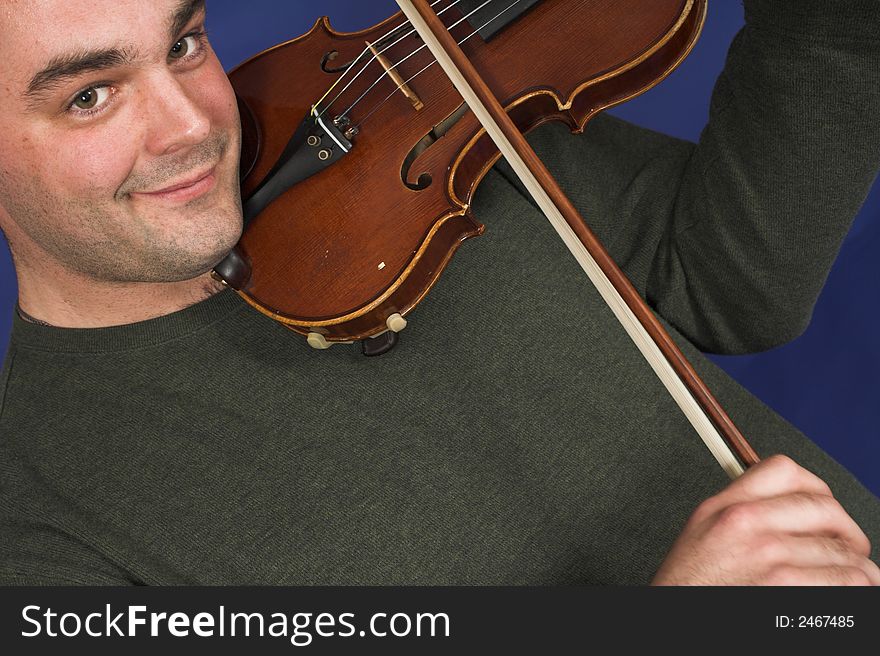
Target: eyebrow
64	67
185	12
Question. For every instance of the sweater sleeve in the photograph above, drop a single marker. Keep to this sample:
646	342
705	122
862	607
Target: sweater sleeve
731	239
790	152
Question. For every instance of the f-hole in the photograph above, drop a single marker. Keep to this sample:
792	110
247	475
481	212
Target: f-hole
331	56
424	180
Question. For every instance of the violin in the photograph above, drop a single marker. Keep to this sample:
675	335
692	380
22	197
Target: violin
362	152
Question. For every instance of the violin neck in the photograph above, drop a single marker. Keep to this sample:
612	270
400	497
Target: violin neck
488	20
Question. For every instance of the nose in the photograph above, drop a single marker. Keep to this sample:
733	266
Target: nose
176	118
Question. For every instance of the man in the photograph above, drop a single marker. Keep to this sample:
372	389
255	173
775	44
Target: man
156	430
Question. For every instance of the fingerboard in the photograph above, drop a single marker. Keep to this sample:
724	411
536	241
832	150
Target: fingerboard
487	20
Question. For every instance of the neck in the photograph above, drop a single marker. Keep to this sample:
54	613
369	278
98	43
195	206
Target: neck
70	301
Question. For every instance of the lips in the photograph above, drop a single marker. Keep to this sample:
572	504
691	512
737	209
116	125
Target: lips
186	190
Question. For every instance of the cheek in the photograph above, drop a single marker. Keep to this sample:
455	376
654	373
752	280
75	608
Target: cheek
93	163
50	171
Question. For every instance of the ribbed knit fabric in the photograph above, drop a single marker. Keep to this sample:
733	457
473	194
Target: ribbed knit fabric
515	435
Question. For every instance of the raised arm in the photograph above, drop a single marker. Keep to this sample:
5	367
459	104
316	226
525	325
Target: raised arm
731	239
788	156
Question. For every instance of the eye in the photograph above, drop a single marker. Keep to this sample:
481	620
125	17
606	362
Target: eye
91	98
186	46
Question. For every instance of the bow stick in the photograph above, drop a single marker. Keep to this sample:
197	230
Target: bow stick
703	411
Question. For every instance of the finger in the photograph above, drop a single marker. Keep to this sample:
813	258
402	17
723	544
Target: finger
798	514
772	477
813	552
848	576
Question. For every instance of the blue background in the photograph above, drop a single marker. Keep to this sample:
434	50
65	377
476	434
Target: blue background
827	382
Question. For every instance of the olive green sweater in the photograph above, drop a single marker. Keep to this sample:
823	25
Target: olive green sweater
515	435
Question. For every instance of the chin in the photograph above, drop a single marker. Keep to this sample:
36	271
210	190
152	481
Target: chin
195	256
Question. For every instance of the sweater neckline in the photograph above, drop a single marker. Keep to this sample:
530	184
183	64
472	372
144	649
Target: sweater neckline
129	336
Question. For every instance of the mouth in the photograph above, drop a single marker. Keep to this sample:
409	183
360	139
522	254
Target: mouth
184	191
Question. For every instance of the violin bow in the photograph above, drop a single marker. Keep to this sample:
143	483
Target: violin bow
705	414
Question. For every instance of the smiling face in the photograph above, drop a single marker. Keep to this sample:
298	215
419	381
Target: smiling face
119	139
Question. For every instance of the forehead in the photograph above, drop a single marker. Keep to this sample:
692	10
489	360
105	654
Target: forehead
33	32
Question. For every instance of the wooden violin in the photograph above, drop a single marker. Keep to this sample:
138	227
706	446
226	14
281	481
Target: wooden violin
360	159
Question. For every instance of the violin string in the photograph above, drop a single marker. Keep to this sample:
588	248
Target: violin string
372	59
414	52
407	81
359	57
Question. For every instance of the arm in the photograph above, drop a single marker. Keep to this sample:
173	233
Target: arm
786	161
731	239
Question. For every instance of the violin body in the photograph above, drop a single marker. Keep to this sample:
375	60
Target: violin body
366	238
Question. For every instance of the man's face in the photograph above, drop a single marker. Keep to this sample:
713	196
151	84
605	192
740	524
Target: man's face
119	138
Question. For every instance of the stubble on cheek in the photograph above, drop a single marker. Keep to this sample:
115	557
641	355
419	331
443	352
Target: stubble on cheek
104	235
81	235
